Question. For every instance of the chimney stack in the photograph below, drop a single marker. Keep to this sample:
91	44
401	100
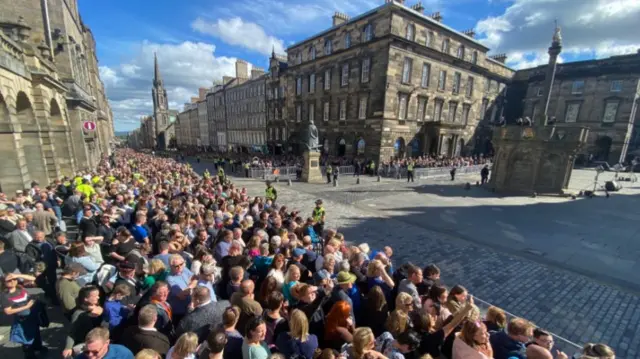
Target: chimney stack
418	7
502	58
256	72
471	33
202	93
436	16
242	69
226	79
339	18
194	99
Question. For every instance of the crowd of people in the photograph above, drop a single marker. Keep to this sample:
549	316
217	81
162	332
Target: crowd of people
169	264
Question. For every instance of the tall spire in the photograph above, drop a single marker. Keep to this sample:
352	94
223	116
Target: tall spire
557	36
273	51
157	79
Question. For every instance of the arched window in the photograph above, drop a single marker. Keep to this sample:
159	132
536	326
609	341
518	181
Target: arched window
360	145
411	32
327	47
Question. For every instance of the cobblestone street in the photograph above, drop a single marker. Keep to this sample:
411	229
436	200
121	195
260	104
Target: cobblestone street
436	221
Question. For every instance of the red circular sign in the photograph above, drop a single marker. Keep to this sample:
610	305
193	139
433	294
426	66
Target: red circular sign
89	125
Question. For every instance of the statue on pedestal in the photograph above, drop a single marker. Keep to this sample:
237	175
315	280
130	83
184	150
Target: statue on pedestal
312	143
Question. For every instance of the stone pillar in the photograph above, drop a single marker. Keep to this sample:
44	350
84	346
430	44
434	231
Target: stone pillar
311	170
12	167
48	150
76	116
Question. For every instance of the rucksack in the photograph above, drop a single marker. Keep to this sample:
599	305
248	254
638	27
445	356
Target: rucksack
33	252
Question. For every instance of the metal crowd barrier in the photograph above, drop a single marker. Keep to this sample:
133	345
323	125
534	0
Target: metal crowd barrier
342	170
274	173
430	172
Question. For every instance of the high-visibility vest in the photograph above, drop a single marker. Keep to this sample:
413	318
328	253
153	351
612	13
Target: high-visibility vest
220	172
410	167
269	193
246	166
329	170
77	181
206	174
318	213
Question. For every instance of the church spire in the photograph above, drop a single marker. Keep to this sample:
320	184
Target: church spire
557	36
157	79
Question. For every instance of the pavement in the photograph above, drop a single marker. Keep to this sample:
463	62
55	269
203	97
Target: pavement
567	265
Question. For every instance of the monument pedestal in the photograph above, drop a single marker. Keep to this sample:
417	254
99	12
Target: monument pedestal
311	171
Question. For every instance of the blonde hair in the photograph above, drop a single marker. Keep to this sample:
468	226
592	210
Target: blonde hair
496	316
599	351
371	268
362	340
287	276
147	354
185	345
403	300
397	323
156	266
299	325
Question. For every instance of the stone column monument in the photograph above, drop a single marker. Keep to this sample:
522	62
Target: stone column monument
537	157
311	170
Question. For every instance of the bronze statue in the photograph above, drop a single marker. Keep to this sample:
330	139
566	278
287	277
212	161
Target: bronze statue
312	144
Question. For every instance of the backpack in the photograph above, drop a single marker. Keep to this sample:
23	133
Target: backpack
271	328
33	252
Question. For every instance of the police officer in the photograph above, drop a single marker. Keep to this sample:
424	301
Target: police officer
410	171
335	175
372	168
318	217
247	166
221	174
270	193
328	170
206	174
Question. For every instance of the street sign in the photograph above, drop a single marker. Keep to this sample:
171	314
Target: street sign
89	125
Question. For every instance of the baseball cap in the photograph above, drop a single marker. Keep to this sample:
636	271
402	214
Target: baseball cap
127	265
298	252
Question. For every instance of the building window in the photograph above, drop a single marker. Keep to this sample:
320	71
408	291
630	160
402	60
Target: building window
453	109
442	80
327	79
411	32
406	70
366	65
445	46
573	109
539	91
298	113
312	83
328	48
368	32
362	109
577	87
344	79
487	84
422	108
403	100
474	57
437	111
428	39
616	85
493	86
460	53
456	83
465	113
343	110
312	53
299	86
483	108
470	86
610	112
325	111
277	135
312	111
426	72
347	40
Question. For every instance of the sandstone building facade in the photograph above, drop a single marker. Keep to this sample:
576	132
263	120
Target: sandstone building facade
602	95
49	85
390	83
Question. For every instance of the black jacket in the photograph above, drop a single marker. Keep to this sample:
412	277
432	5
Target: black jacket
136	339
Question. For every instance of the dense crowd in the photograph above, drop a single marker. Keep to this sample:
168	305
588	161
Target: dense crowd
169	264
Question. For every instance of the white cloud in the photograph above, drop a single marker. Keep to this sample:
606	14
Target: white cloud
237	32
597	28
184	67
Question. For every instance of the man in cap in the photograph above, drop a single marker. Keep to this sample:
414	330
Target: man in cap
270	193
296	260
342	291
318	216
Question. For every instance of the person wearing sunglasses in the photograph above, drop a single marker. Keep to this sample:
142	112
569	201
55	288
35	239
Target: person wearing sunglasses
97	345
17	303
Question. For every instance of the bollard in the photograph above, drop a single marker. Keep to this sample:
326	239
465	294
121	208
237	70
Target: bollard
378	178
289	182
358	180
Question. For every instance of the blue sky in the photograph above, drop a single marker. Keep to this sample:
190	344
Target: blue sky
198	41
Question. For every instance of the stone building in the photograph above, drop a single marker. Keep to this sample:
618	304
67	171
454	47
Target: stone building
276	107
203	120
163	127
392	82
602	95
49	85
216	118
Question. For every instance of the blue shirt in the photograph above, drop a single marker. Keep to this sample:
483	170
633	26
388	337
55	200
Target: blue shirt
114	312
115	351
164	258
178	283
139	233
222	250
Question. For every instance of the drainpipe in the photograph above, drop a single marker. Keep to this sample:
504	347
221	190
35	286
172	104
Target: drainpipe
47	26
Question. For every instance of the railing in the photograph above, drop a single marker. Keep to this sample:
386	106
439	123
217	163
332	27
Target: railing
429	172
570	348
275	173
342	170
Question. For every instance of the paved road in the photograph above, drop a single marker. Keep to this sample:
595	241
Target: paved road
523	254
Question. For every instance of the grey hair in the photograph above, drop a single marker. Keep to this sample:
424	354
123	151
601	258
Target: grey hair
344	266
